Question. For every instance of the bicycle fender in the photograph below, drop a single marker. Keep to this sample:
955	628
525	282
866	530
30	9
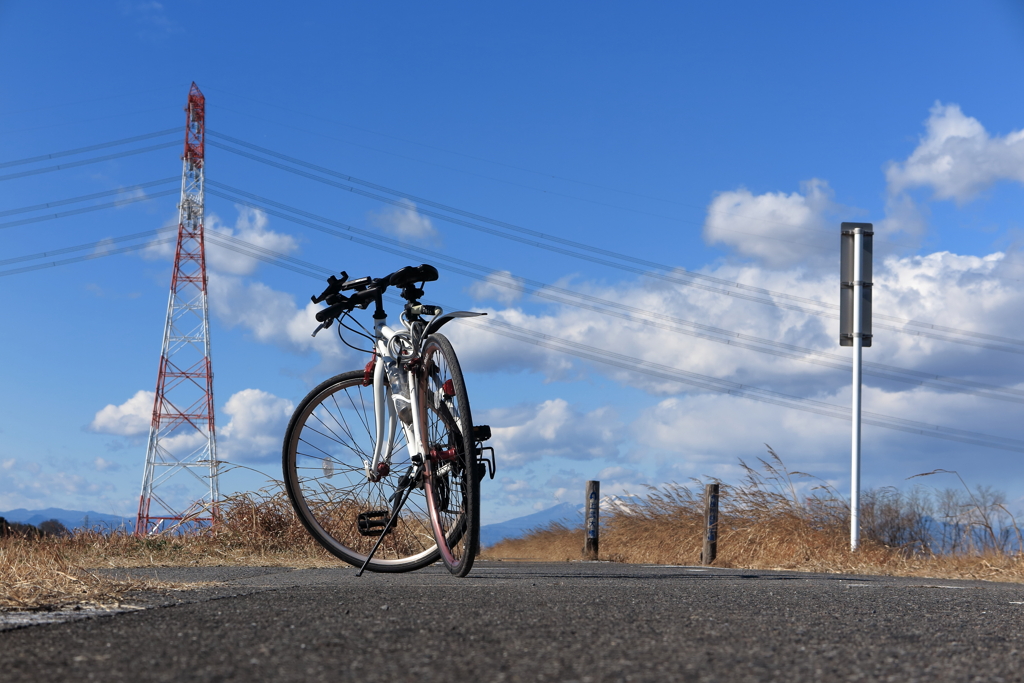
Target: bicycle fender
435	325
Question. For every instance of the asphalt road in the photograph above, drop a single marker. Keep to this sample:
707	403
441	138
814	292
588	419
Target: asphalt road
536	622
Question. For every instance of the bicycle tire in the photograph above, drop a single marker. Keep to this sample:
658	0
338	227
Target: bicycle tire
330	433
451	485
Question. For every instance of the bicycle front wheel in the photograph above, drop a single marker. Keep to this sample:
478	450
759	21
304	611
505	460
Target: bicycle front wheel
329	437
451	485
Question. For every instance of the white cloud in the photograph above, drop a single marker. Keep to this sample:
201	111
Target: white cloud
250	226
126	196
131	418
160	248
273	317
779	230
616	480
185	443
957	158
29	487
404	222
258	421
706	435
500	286
966	292
554	429
255	428
101	465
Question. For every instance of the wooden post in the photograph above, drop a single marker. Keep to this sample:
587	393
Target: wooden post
593	522
710	551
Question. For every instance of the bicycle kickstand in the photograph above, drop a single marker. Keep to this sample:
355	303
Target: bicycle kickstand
403	495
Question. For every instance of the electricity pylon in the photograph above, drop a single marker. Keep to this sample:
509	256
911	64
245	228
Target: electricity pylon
182	445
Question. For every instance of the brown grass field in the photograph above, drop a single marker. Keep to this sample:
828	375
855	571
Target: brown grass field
52	572
771	519
765	523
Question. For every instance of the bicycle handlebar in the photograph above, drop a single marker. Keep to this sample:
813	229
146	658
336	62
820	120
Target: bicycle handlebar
368	289
410	274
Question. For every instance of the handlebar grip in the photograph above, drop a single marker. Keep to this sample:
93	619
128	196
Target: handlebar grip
357	300
410	274
332	312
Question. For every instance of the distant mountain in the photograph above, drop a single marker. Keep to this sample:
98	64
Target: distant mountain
566	513
72	519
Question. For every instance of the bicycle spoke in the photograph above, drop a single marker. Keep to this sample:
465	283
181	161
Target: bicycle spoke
329	483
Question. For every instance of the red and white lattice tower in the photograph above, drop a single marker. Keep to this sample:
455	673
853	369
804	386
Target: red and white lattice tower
182	445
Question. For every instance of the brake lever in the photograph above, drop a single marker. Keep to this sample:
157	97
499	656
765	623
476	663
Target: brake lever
323	326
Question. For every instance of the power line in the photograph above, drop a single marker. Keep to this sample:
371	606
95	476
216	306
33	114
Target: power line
930	330
87	257
603	356
463	154
745	391
819	232
94	160
83	247
90	148
712	383
589	302
268	255
617	309
87	209
87	197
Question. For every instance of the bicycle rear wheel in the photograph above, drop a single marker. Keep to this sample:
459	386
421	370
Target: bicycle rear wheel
330	434
451	485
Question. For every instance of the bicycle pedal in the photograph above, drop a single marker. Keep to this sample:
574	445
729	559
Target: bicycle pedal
372	522
481	432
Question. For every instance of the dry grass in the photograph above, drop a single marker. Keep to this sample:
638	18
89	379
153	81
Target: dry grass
40	574
765	523
52	572
257	529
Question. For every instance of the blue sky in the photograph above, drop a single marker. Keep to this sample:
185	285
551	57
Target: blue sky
725	139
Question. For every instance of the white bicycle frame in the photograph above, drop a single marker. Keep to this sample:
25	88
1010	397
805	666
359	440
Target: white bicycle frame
383	338
382	396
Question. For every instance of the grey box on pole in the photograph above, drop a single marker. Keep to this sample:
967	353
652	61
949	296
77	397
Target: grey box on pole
847	278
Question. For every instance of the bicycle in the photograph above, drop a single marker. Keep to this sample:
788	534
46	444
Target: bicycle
383	465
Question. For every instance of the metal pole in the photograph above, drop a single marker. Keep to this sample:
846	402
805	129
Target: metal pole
710	551
858	292
593	520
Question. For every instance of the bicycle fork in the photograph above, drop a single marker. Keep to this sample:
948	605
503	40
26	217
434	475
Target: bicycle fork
408	481
380	465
